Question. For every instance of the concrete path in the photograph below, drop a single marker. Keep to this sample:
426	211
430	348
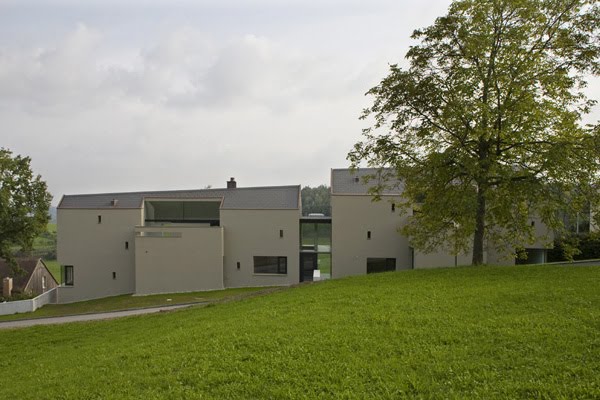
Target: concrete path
90	317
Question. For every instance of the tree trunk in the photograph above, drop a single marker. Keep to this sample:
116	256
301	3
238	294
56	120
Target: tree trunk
479	228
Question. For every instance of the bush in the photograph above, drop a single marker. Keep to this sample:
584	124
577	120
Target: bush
16	296
585	246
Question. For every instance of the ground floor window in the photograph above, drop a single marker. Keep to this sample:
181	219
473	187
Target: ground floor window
270	265
533	256
375	265
68	275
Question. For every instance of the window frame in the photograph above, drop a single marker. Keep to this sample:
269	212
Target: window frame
71	281
389	262
281	265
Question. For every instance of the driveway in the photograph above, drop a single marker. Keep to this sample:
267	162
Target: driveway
90	317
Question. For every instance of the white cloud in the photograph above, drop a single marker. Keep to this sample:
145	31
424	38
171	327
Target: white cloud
184	112
101	106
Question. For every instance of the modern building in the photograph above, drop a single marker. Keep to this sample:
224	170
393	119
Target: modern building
366	238
178	241
193	240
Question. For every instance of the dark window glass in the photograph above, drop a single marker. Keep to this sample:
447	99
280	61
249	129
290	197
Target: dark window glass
238	265
375	265
158	211
99	219
126	245
368	234
281	233
270	265
68	275
393	207
114	275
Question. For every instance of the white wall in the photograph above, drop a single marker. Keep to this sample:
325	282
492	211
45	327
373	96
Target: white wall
192	262
352	217
30	305
250	233
97	250
440	259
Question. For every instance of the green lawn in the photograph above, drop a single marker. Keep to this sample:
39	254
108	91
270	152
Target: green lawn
325	263
486	333
54	268
128	301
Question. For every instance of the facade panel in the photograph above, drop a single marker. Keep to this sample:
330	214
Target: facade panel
363	229
256	233
95	247
178	259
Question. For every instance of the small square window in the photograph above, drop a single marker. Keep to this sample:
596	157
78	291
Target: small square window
369	235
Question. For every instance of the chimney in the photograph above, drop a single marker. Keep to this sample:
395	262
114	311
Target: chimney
7	286
231	183
114	202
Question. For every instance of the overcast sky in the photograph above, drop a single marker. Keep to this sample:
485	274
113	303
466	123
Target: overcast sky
124	95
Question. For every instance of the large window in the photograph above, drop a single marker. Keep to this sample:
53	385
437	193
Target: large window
68	275
270	265
171	211
375	265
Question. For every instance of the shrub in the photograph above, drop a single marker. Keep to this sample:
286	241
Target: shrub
583	246
16	296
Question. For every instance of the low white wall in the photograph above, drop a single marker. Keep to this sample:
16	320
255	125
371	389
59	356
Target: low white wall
13	307
48	297
30	305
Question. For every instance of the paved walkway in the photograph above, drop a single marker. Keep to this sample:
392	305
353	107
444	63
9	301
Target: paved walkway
90	317
137	311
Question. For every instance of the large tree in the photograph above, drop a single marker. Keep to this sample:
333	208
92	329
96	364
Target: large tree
483	127
24	203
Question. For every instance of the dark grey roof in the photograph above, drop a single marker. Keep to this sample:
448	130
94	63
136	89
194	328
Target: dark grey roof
268	197
345	181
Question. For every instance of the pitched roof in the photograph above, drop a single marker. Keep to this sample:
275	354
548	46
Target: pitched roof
19	281
268	197
346	181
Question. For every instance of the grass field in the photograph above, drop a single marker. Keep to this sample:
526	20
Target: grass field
128	301
47	240
54	268
487	333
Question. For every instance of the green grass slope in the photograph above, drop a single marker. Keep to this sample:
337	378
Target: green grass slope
128	301
518	332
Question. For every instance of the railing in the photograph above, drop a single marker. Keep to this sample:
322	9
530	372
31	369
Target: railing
161	234
30	305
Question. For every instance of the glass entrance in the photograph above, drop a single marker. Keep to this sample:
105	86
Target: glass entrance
315	245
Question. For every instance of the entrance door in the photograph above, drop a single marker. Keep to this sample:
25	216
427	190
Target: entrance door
308	263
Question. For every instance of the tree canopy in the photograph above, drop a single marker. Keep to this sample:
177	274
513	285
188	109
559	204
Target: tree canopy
316	200
24	203
484	125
